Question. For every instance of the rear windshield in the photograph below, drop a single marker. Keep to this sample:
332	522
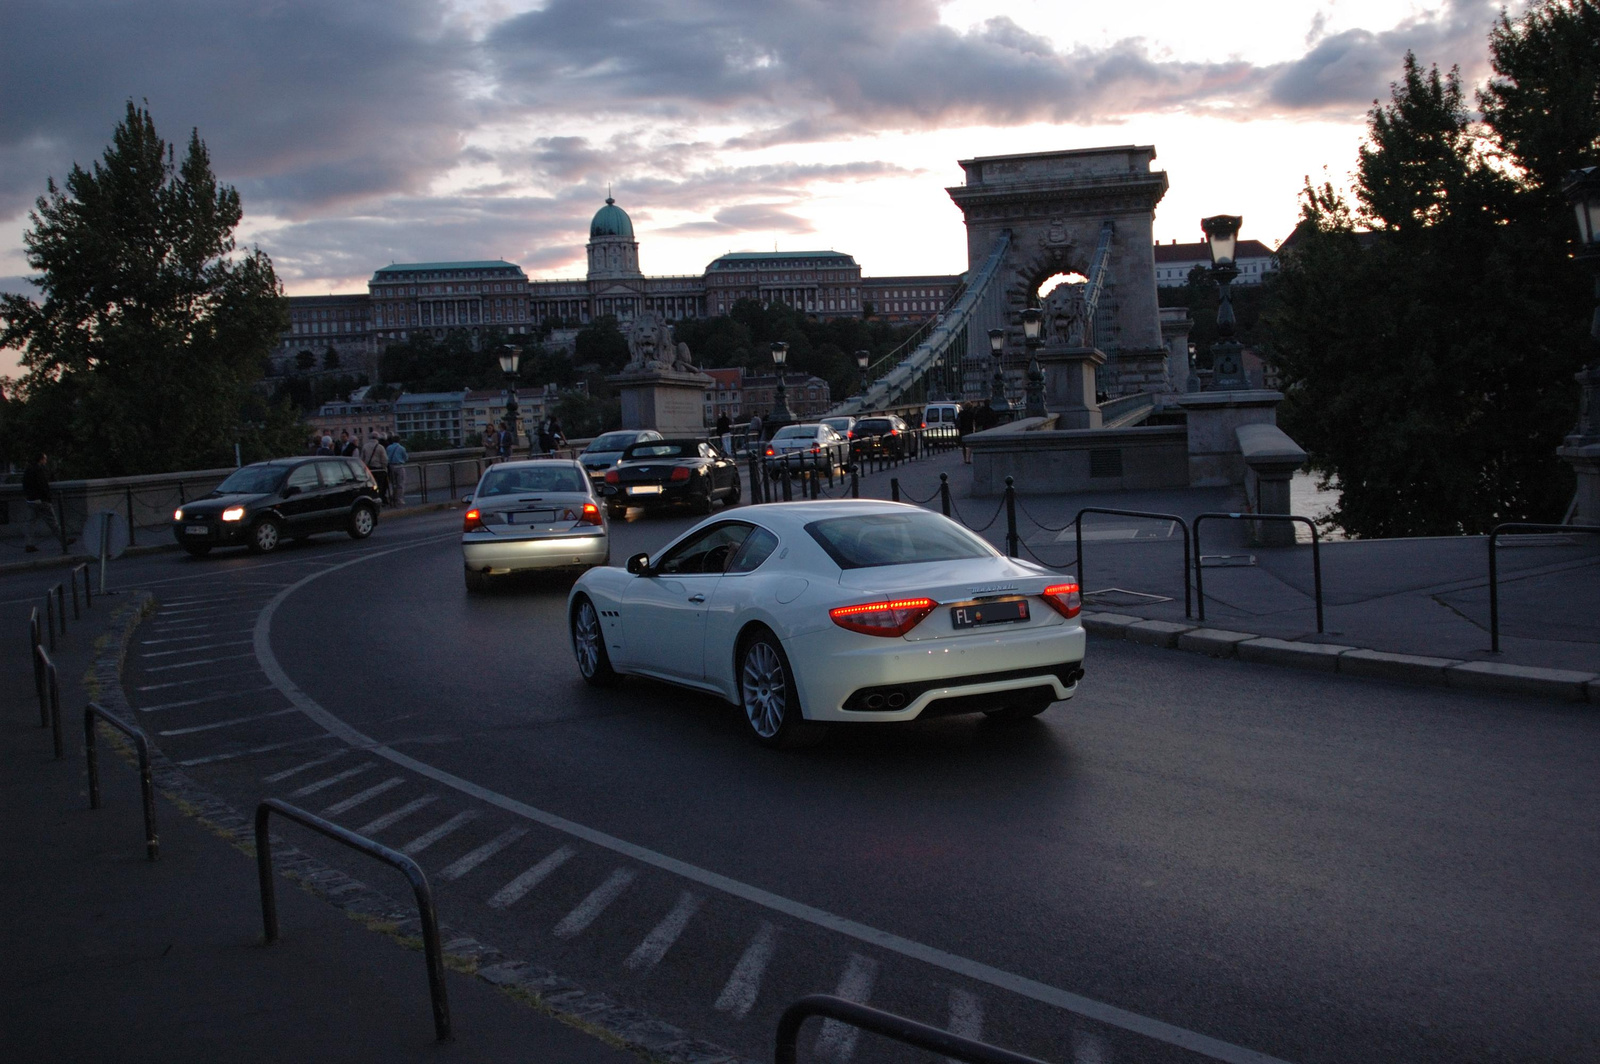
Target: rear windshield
663	449
253	480
874	424
613	441
789	432
512	480
866	540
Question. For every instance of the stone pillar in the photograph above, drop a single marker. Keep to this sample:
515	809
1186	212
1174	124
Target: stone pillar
1271	459
1581	450
670	401
1069	385
1213	421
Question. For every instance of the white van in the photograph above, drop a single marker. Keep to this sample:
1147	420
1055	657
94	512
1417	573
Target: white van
939	419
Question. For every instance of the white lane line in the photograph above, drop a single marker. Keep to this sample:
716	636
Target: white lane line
458	868
188	638
655	945
837	1041
449	827
200	679
513	891
391	818
740	991
198	662
190	650
363	796
313	788
976	971
584	914
228	723
235	754
966	1015
278	777
190	609
179	625
204	698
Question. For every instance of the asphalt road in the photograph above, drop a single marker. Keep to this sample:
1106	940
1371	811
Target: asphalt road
1193	859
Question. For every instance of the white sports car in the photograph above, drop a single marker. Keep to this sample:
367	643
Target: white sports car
849	610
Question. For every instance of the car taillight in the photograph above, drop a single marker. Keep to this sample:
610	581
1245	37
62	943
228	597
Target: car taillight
613	477
816	448
771	453
924	424
1064	599
591	514
680	473
893	618
471	521
894	432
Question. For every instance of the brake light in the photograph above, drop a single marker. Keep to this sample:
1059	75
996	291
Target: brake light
894	432
816	448
771	453
893	618
1064	599
613	477
471	521
924	424
591	514
680	473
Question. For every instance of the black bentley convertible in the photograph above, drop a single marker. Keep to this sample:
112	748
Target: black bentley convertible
694	473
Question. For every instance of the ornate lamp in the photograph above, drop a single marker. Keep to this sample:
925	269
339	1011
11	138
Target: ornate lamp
1032	326
780	410
997	388
1032	330
510	360
863	359
1227	358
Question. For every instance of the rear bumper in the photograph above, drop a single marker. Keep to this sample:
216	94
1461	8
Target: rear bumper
497	555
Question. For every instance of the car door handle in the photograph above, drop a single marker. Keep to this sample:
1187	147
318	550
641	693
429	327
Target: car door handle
697	598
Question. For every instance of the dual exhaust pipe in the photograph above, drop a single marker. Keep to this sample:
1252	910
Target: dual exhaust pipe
892	700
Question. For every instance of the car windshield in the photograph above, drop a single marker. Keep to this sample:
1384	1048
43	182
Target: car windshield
612	441
513	480
873	425
865	540
663	449
253	480
790	432
837	424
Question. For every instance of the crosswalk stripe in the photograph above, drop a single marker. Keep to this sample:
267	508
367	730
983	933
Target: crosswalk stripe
363	796
423	841
513	891
206	698
655	945
837	1041
739	993
392	818
199	661
313	788
966	1014
228	723
595	904
278	777
467	863
190	650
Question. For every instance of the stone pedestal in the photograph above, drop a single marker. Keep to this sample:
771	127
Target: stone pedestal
1271	459
1585	461
1069	385
1214	419
673	402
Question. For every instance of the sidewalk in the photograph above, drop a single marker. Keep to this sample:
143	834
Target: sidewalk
111	956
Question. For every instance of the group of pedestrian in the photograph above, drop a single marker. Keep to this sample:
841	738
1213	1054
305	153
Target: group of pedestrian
974	417
549	436
383	454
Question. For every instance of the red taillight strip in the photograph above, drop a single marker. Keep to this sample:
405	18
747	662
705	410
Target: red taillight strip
874	607
1063	598
902	615
471	520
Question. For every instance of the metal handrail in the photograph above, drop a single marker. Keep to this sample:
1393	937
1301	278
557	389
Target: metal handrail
1077	523
1521	528
147	790
50	699
50	619
899	1028
35	641
1316	554
405	865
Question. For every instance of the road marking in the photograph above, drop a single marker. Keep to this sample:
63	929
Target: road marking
513	891
198	679
187	638
459	868
390	819
198	662
363	796
655	945
740	991
584	914
204	698
976	971
278	777
190	650
837	1041
228	723
235	754
313	788
966	1014
449	827
180	625
191	609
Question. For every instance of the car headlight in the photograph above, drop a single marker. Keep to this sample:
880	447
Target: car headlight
177	515
233	513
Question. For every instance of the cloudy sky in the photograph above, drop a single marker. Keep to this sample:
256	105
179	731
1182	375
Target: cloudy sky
364	132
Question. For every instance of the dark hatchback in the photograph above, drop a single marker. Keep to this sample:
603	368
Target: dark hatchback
692	473
884	435
261	505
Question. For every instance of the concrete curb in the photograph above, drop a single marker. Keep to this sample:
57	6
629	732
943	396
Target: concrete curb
1561	684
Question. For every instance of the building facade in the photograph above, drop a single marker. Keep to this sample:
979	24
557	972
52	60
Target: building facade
318	323
903	299
1174	261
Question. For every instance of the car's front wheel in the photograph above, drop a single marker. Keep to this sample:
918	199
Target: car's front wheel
363	519
768	696
589	645
265	536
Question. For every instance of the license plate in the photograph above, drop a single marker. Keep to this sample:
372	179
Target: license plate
1008	611
645	489
531	517
197	530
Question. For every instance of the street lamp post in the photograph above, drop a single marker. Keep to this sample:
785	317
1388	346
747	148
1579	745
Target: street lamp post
780	410
863	359
1032	327
1227	354
997	388
1582	449
510	359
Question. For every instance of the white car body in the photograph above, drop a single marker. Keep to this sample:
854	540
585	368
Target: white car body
688	628
799	445
538	514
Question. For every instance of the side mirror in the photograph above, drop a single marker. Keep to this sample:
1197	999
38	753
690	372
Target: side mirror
292	489
639	565
466	500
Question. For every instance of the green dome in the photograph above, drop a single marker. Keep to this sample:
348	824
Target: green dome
611	220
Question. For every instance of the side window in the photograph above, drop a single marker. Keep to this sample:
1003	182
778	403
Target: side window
758	546
355	471
708	552
303	477
334	474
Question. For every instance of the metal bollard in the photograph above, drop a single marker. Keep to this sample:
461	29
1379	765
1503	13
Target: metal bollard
52	681
61	606
73	577
894	489
755	481
788	488
50	619
147	790
944	493
855	482
1011	519
132	542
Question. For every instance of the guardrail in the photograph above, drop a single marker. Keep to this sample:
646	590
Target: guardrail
1517	528
88	595
406	866
50	618
899	1028
152	845
35	641
1316	554
1078	527
50	698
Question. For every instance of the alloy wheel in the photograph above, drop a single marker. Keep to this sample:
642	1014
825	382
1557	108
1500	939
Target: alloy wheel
763	687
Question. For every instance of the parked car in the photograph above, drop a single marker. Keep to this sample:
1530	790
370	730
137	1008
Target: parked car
667	472
939	419
885	435
606	450
849	610
541	514
260	505
805	446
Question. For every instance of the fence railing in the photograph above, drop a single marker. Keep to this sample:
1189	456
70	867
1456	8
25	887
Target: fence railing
50	699
1077	523
1514	528
147	790
899	1028
1316	554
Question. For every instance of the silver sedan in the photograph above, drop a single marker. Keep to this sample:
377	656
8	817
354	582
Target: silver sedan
534	515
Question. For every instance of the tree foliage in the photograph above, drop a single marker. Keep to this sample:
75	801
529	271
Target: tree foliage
1429	364
151	330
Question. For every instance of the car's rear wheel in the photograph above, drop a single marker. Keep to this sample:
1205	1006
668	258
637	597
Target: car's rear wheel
265	536
199	550
363	519
735	493
589	645
477	582
704	503
768	696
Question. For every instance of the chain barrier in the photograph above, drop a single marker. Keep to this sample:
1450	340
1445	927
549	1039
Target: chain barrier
1047	564
913	499
998	507
1041	524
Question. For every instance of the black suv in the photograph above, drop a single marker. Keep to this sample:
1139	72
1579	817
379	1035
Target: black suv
260	505
884	435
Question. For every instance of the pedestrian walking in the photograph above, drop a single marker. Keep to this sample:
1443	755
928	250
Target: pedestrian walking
964	429
505	442
41	504
725	431
377	459
755	431
397	456
558	438
491	444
